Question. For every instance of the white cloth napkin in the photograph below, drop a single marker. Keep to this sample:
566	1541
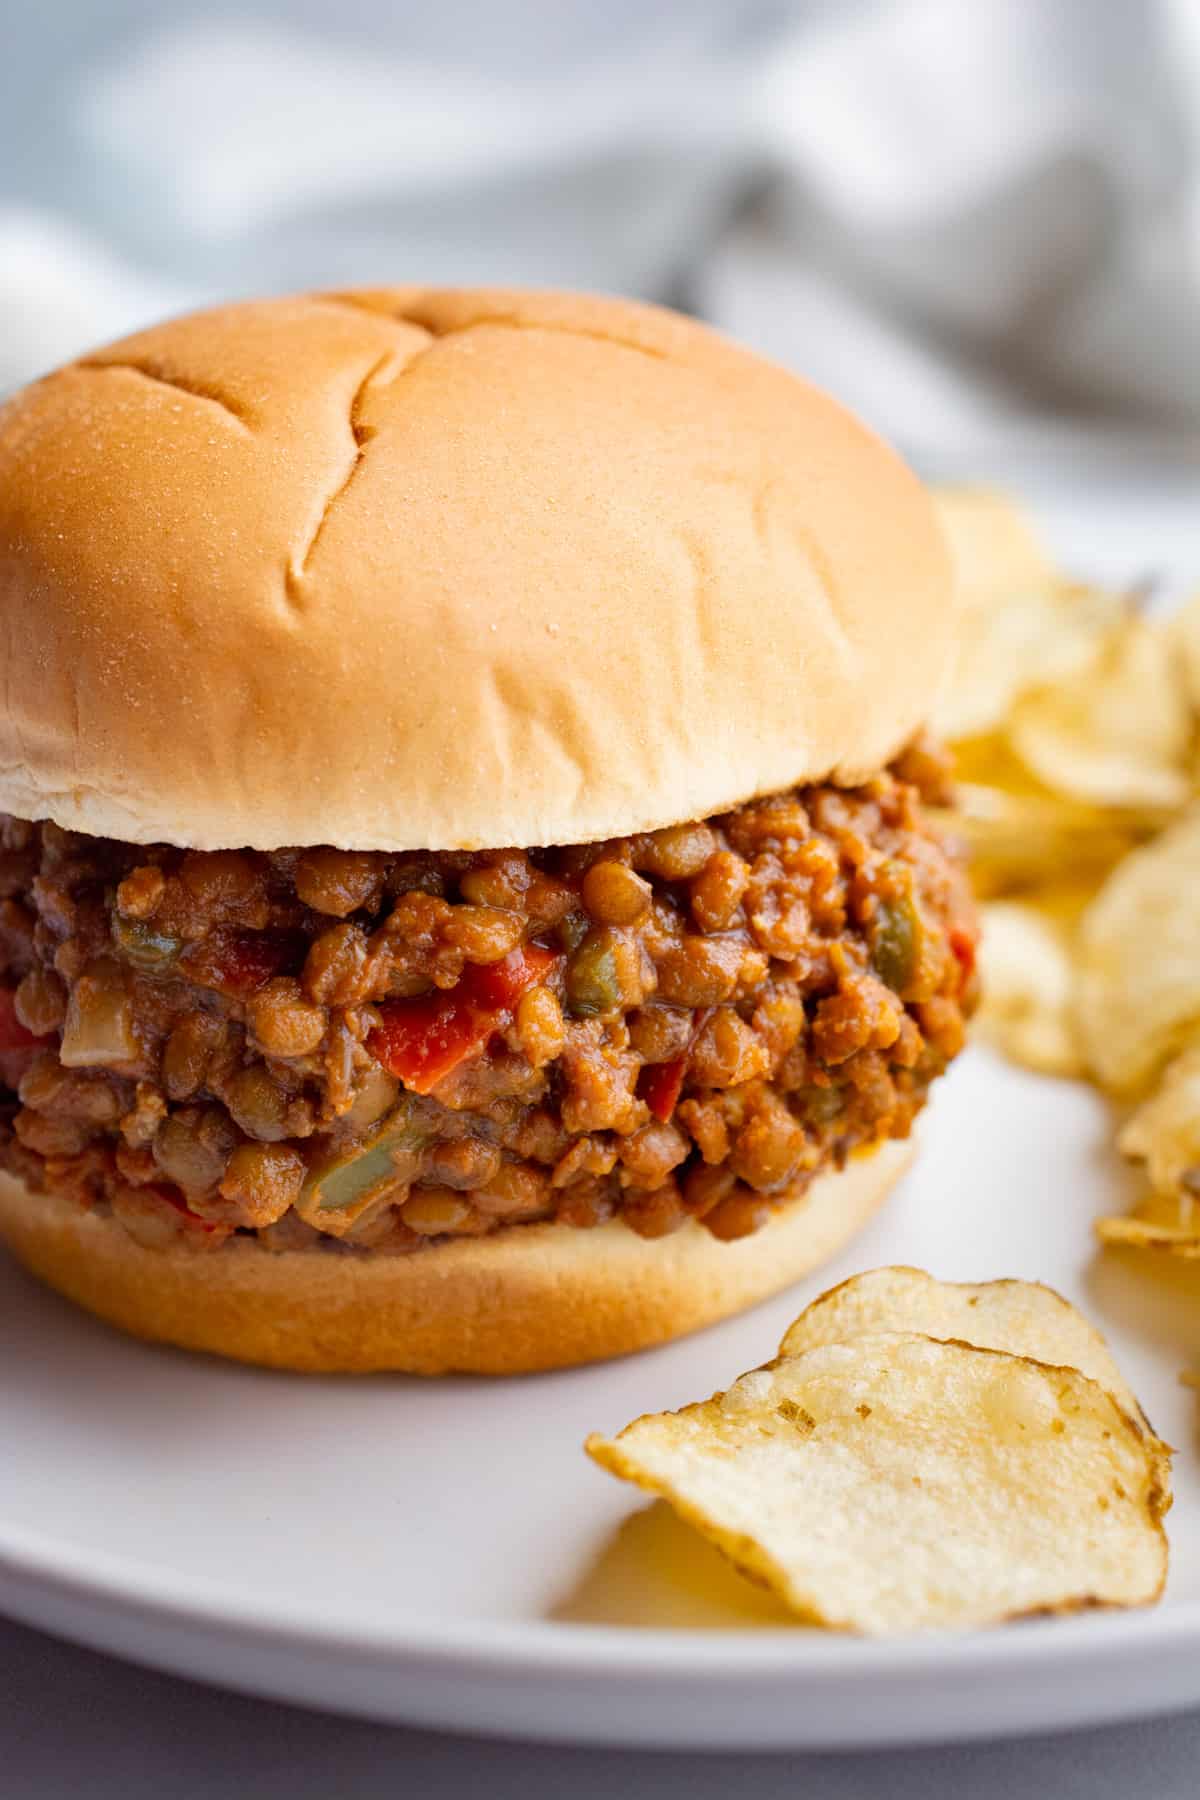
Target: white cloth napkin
973	219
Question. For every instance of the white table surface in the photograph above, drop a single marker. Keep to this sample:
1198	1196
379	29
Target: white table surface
76	1723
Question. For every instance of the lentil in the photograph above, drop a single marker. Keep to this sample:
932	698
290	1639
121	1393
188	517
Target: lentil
613	894
795	973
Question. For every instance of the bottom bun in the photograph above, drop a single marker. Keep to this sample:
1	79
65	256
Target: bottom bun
533	1297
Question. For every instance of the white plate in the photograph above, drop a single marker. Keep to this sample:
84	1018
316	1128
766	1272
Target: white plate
444	1553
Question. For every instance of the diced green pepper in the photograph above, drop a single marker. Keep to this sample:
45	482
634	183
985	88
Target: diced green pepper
153	952
593	984
895	942
572	930
820	1105
351	1179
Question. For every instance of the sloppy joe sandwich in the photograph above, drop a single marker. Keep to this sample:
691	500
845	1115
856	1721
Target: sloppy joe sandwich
467	902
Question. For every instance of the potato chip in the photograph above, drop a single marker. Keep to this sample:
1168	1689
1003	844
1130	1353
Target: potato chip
994	546
1002	652
989	761
1164	1132
1022	1317
1019	623
896	1483
1161	1221
1143	1230
1117	731
1020	841
1028	980
1139	961
1184	630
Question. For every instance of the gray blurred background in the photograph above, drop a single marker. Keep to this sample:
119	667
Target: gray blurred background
977	220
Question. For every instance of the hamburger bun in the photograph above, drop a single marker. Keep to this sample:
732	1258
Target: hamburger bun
529	1298
414	569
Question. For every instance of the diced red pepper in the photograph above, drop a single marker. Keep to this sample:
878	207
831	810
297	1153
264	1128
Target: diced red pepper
962	942
237	963
421	1041
13	1035
496	987
174	1198
660	1084
18	1047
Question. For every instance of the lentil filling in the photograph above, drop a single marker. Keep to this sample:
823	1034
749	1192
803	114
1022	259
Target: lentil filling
371	1052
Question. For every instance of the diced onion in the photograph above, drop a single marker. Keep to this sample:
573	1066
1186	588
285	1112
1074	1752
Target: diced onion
99	1025
376	1096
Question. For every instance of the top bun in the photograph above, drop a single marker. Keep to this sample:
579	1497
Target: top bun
447	569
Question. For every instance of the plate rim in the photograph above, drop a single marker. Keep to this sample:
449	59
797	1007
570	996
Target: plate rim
549	1648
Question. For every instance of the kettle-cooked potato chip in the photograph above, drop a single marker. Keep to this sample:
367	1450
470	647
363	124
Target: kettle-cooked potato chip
1139	961
1148	1229
1018	622
1157	1224
1184	630
1028	981
994	546
1117	731
1017	841
1075	724
1023	1317
1002	651
1164	1133
897	1483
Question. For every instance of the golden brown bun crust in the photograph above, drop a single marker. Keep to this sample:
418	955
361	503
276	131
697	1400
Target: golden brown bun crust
437	570
536	1297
